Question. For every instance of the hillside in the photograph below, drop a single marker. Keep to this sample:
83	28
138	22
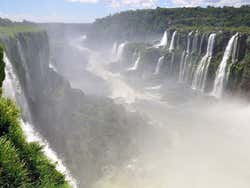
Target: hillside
140	23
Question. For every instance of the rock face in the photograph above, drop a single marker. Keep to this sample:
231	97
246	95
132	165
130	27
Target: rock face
90	133
2	74
182	60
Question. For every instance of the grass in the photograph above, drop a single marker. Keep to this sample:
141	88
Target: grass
14	29
22	164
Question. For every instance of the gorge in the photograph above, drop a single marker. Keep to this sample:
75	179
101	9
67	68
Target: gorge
128	105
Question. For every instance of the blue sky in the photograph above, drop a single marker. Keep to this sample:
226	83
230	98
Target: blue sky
89	10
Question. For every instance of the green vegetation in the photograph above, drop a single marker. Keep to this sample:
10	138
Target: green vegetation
150	21
22	164
13	29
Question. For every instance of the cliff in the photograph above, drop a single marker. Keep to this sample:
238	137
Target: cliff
189	50
22	164
88	132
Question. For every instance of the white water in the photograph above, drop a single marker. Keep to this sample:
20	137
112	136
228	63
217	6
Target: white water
221	72
114	49
164	40
195	42
182	68
183	73
171	48
189	42
196	147
172	62
157	87
120	50
159	65
201	43
200	75
52	67
121	92
13	90
136	64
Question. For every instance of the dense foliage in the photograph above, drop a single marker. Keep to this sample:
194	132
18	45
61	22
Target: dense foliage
143	22
22	164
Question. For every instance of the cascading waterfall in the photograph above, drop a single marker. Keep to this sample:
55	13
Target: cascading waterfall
172	62
184	61
195	42
136	64
164	40
201	43
159	65
193	59
13	90
120	50
181	71
221	73
171	48
200	75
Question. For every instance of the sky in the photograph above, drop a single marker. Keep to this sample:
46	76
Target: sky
88	10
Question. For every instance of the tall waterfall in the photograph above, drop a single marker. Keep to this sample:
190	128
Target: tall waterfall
171	48
220	79
159	65
120	50
136	64
164	40
13	90
200	75
182	64
185	59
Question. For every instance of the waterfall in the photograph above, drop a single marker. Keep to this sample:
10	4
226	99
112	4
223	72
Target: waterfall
221	72
114	49
201	43
195	42
136	64
13	90
200	75
171	48
164	40
172	62
120	50
189	42
159	65
183	73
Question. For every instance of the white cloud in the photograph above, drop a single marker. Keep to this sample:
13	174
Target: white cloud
83	1
121	3
217	3
41	19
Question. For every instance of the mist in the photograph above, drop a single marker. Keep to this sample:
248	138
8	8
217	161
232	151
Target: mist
154	98
191	139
